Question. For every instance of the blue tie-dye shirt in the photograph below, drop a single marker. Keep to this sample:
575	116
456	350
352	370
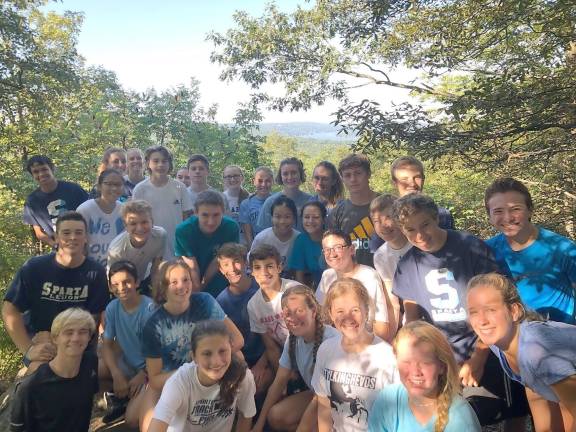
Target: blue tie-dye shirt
167	336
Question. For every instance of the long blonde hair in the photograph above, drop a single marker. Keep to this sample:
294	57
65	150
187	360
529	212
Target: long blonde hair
448	381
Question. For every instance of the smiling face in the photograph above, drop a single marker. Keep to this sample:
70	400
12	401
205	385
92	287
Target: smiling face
385	225
198	173
263	183
322	180
183	175
117	161
138	226
337	254
290	175
509	214
492	320
349	315
179	286
112	187
299	318
71	237
233	179
419	368
282	221
232	268
213	356
135	163
312	220
43	175
158	165
267	272
72	340
209	218
356	179
423	232
123	286
408	179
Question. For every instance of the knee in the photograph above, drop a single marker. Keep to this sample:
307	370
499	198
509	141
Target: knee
277	418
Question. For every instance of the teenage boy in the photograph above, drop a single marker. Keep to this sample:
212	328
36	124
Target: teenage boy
250	207
52	198
122	349
59	395
431	279
265	308
199	170
234	302
352	215
183	175
48	284
542	263
143	244
395	244
199	237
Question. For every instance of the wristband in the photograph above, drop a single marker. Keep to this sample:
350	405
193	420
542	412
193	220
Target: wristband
26	360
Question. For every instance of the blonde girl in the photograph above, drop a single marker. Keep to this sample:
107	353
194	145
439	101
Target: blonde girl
428	400
303	317
350	370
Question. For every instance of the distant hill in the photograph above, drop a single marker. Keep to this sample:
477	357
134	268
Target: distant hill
308	130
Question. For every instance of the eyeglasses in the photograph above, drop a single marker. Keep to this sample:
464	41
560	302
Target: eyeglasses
336	249
232	177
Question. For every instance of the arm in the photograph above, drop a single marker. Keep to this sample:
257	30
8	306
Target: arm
119	381
411	311
324	414
383	330
193	264
14	323
273	351
248	234
274	394
156	377
157	426
237	338
472	369
566	392
243	424
42	236
301	277
211	271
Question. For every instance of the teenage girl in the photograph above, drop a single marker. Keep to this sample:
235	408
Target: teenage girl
541	355
166	334
102	214
352	369
327	184
428	400
282	233
204	395
302	315
306	257
113	158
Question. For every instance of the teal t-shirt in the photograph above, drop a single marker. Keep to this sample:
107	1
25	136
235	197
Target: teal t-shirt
192	242
391	413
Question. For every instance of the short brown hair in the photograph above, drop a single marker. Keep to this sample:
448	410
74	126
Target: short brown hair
382	202
353	161
405	161
139	207
196	158
209	197
411	204
234	251
507	184
263	252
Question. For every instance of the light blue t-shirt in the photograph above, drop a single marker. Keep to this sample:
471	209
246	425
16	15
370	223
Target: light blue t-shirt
127	329
544	272
391	413
265	216
304	352
307	256
546	355
249	211
167	336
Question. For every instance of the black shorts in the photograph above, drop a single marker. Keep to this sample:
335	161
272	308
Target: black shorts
498	397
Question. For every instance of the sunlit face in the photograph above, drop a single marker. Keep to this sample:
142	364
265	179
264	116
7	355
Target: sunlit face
42	174
72	340
422	231
322	180
282	221
123	286
117	161
509	213
138	226
135	162
290	175
490	317
179	286
356	179
213	356
209	218
349	315
71	237
385	225
112	187
408	179
337	254
233	178
299	318
263	183
158	165
266	272
183	175
312	220
198	173
232	268
418	366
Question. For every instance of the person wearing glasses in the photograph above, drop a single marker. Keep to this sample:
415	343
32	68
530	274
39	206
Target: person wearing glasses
327	185
339	253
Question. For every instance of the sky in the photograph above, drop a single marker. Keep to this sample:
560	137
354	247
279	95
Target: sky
160	44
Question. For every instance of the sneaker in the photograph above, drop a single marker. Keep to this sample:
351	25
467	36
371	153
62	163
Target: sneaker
115	408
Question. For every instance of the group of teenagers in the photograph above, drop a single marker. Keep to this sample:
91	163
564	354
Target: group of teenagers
345	310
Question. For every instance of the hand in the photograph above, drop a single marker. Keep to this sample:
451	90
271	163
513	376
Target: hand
137	383
41	352
120	385
471	372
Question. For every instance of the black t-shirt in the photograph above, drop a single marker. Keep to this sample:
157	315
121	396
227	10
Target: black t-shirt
355	221
45	288
47	402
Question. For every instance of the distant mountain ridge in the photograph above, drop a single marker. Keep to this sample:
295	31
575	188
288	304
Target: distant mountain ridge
309	130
